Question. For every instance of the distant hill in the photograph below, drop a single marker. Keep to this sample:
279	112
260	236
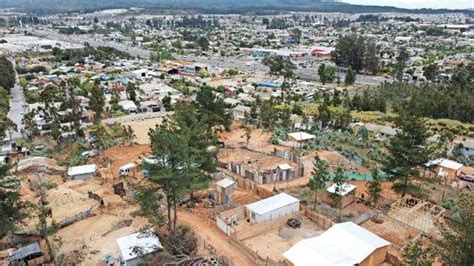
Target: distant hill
205	6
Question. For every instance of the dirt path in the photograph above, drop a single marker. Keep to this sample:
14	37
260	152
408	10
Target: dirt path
211	234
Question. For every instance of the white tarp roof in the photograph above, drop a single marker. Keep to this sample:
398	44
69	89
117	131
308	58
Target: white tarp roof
83	169
138	244
342	244
273	203
344	189
445	163
301	136
226	182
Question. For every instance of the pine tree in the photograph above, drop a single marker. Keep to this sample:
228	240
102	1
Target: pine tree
456	246
180	146
322	73
131	92
415	254
339	180
319	176
97	101
408	150
350	77
374	188
12	208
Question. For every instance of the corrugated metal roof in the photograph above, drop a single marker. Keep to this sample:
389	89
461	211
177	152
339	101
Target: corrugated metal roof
272	203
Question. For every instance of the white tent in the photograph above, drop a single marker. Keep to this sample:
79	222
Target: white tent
342	244
301	136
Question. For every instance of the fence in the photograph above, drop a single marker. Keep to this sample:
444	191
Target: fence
77	217
257	258
250	186
317	218
252	230
135	117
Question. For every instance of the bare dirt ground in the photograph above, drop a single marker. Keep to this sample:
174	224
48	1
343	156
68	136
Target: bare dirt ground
95	237
275	242
259	140
142	127
393	231
388	194
208	232
89	236
119	156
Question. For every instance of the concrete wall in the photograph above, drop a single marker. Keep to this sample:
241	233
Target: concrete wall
252	230
376	258
227	229
82	177
317	218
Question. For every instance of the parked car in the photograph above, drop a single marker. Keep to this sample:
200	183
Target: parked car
293	223
468	178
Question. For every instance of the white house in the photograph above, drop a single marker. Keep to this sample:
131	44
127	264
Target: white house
82	172
128	106
342	244
272	208
136	246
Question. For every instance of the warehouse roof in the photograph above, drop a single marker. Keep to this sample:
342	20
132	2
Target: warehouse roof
272	203
342	244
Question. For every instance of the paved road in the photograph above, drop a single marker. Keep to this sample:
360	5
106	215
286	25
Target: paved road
81	39
16	109
244	63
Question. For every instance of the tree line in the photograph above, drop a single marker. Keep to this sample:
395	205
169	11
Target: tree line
358	53
452	100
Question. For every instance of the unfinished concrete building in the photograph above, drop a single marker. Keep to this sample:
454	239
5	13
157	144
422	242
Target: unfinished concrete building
417	213
259	167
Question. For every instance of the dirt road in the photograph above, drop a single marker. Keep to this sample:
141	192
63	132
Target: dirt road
211	234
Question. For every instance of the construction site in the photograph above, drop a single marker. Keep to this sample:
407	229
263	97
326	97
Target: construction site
250	215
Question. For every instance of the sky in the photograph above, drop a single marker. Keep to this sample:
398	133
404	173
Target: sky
451	4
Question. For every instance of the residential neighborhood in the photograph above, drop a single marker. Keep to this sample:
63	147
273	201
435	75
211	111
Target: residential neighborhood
247	134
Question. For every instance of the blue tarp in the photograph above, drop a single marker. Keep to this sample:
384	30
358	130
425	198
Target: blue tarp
268	84
24	252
